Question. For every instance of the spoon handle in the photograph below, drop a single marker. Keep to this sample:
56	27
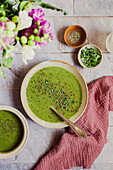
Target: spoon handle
79	131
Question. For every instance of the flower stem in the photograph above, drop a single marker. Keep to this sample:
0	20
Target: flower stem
3	44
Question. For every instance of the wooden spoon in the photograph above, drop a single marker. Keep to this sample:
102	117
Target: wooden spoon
79	131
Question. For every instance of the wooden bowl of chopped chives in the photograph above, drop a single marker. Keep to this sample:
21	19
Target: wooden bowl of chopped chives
90	56
75	36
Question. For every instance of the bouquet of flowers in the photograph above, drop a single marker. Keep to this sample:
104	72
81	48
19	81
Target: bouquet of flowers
30	29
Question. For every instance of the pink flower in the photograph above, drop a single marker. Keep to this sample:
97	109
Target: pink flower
7	35
40	29
37	14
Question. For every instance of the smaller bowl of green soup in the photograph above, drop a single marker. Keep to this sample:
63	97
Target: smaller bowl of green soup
56	84
13	132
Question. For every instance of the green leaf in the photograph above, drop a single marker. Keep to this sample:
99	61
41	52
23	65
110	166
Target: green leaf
7	7
49	6
35	1
10	3
25	5
44	5
17	1
2	13
4	52
7	62
2	74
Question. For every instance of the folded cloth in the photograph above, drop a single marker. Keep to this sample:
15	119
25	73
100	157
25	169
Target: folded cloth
74	151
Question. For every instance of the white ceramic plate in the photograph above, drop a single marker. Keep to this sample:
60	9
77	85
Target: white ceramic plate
4	155
59	64
109	43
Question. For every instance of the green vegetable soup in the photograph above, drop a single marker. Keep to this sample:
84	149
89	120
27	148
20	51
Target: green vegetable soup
57	87
11	131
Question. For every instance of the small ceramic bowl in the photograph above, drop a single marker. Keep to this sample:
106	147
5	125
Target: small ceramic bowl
82	33
15	151
89	46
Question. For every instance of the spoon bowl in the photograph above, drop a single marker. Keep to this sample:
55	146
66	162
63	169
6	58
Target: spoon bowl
79	131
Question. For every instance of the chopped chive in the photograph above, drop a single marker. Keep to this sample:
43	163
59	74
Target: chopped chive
51	84
61	92
51	90
65	98
45	86
63	107
47	82
65	102
61	100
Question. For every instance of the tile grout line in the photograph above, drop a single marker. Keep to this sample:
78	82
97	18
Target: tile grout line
73	7
105	52
78	16
60	37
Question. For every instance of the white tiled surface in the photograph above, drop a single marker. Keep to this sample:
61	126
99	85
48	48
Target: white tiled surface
96	16
93	7
67	5
98	28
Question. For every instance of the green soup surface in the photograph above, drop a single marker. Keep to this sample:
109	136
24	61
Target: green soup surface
11	131
57	87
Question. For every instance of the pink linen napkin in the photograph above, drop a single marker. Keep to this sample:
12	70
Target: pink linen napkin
74	151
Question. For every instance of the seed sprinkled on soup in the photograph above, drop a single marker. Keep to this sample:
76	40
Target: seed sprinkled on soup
57	87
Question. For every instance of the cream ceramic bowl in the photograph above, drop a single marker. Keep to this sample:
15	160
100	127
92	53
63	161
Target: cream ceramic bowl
59	64
4	155
89	46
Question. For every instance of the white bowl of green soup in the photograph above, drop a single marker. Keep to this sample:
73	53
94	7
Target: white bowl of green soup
13	132
56	84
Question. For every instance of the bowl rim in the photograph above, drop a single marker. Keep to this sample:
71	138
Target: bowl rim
27	110
65	36
93	45
16	150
